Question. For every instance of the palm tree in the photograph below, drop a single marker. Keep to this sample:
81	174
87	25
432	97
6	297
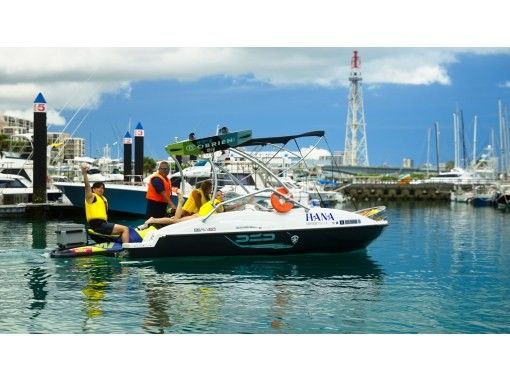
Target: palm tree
4	142
149	165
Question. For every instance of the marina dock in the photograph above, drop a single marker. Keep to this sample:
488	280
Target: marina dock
394	191
34	210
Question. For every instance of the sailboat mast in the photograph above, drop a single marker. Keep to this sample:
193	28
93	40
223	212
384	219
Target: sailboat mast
502	139
428	151
437	145
456	157
474	140
464	158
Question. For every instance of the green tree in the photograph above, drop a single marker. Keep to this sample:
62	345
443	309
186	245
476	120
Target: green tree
4	142
149	165
449	165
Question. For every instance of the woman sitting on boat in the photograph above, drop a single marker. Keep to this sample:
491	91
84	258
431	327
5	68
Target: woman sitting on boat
197	198
179	213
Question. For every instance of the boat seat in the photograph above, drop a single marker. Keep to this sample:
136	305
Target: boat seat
101	238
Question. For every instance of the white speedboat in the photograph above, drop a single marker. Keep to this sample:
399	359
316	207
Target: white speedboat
16	189
251	231
288	228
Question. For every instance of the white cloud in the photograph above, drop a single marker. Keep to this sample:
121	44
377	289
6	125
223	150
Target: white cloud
505	85
53	117
74	78
312	153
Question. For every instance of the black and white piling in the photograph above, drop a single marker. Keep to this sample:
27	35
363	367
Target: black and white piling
39	153
128	144
139	134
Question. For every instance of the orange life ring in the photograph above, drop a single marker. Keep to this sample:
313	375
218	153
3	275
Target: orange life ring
279	203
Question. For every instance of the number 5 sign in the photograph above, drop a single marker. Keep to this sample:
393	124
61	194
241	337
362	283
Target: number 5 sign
39	107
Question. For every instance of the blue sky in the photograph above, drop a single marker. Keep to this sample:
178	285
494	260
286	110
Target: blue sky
97	92
398	115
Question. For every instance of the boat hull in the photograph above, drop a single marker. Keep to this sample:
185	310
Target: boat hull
277	242
124	199
482	201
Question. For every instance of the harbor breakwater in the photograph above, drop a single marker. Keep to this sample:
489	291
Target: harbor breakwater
393	191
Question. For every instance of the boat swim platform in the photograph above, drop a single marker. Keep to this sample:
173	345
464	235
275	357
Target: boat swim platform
373	191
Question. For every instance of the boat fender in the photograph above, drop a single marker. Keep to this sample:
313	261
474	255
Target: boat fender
279	203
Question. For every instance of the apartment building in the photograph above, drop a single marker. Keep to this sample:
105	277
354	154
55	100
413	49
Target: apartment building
72	146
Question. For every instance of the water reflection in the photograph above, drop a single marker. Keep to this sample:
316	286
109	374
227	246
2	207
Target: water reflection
37	282
216	294
280	304
39	234
93	277
317	265
191	294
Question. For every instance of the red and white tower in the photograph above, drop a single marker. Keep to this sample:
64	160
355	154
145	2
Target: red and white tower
355	151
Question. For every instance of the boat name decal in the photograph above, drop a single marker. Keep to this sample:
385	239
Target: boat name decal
262	241
254	238
348	221
319	216
211	144
204	229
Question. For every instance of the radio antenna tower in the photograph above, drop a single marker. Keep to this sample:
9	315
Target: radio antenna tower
355	151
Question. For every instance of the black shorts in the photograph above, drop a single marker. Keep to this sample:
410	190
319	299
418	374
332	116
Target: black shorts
101	226
155	209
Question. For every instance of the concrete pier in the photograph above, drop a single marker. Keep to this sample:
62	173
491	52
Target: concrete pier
383	191
40	210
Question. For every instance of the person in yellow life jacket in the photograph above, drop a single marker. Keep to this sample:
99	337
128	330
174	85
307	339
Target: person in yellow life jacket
203	211
96	210
197	198
159	192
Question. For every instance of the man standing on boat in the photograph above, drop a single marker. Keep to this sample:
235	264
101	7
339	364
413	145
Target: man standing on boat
159	192
96	209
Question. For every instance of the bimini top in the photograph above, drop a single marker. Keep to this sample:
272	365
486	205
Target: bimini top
280	139
208	144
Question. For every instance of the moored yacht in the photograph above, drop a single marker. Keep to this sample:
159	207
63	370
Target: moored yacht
15	189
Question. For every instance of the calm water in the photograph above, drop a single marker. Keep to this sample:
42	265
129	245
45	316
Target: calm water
438	269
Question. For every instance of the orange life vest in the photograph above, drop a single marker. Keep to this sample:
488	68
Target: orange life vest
151	191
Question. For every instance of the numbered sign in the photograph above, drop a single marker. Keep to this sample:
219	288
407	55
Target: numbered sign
39	107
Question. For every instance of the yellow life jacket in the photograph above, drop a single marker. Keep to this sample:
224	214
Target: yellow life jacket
190	205
97	209
207	207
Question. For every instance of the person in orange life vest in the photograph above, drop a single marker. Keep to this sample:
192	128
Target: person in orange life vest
159	192
96	209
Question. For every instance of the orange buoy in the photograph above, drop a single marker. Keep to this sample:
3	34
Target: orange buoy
279	203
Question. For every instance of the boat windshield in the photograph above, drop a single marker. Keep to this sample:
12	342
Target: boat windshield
200	163
11	184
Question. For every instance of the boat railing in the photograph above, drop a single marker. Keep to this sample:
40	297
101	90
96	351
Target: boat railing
250	195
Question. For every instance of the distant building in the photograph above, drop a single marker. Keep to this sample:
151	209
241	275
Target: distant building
72	146
338	158
407	163
10	125
22	130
